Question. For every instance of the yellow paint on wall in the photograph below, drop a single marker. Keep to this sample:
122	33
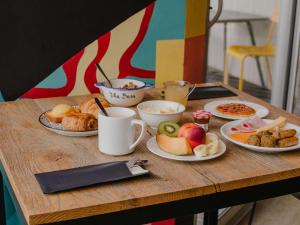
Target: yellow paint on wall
121	38
196	16
169	61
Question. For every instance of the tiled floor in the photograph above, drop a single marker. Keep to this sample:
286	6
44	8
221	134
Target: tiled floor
283	210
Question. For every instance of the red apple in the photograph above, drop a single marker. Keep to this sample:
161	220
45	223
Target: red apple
194	134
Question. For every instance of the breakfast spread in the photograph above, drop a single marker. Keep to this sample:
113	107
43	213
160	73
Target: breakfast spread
81	118
236	109
257	132
187	139
201	118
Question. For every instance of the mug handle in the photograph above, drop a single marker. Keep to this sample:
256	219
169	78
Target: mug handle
143	131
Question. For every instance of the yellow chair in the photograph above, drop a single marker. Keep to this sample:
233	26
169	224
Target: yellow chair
241	52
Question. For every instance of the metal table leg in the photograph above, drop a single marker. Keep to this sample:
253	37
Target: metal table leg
186	220
2	206
253	42
225	43
252	213
211	217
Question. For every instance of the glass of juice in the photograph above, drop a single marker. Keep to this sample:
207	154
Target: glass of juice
177	91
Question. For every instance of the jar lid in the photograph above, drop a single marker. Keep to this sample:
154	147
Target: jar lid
201	114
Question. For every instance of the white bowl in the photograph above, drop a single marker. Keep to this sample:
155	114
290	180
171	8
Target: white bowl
122	97
155	118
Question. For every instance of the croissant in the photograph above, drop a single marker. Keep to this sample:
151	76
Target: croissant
79	122
91	107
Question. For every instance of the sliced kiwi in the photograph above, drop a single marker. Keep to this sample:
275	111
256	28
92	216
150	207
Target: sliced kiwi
168	128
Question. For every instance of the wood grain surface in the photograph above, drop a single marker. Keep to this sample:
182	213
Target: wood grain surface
27	148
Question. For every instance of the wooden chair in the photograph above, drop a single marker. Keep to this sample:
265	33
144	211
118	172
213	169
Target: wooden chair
241	52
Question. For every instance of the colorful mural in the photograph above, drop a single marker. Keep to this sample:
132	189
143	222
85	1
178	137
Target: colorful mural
130	50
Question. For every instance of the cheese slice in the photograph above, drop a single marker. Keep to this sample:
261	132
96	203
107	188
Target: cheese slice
279	122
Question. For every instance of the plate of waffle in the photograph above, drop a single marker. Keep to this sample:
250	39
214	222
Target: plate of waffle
235	109
76	121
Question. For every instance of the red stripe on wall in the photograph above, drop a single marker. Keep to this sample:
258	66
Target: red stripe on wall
90	74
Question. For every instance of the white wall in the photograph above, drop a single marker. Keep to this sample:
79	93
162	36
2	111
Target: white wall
237	34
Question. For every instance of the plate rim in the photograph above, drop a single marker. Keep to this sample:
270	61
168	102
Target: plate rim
235	117
197	159
258	148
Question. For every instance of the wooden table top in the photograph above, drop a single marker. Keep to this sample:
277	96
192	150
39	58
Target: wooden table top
27	148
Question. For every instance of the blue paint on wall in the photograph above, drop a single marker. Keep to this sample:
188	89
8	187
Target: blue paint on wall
167	23
1	97
56	79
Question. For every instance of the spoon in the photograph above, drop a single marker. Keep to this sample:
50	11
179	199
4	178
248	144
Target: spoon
190	92
101	106
102	72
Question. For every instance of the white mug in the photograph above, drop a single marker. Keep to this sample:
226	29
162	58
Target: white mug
117	131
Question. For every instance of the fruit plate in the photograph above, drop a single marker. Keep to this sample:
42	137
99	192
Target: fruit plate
154	148
261	111
226	130
57	128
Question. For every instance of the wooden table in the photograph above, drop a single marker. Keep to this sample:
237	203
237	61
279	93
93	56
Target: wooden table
230	16
174	188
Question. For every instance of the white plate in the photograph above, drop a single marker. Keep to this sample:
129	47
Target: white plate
57	128
225	131
261	111
154	148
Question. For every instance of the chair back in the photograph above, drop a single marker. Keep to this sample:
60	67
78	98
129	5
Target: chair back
274	20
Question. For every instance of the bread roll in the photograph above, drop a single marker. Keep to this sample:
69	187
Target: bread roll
91	107
58	112
79	122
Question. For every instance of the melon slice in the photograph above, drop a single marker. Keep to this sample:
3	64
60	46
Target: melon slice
174	145
241	136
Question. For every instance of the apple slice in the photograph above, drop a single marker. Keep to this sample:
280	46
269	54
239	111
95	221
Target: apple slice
174	145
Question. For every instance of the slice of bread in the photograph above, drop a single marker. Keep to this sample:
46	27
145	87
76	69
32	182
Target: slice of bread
58	112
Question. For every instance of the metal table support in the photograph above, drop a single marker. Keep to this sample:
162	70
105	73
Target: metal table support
2	204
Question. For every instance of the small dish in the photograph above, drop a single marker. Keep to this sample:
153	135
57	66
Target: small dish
149	111
123	97
57	128
261	111
226	130
154	148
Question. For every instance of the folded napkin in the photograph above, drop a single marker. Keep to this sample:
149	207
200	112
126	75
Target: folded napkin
210	92
63	180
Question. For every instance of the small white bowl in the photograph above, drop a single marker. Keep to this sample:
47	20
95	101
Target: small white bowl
153	119
122	97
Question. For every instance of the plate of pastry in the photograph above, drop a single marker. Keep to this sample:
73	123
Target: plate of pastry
188	142
75	121
263	135
235	109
